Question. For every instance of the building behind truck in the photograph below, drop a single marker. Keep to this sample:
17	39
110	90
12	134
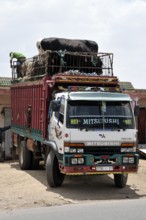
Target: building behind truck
68	111
5	117
139	95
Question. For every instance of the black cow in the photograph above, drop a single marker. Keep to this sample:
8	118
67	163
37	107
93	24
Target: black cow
57	44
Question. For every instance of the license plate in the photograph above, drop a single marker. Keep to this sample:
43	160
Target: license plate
104	168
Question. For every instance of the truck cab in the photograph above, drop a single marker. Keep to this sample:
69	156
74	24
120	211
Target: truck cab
93	132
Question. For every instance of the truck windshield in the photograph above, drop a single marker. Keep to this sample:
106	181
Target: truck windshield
100	114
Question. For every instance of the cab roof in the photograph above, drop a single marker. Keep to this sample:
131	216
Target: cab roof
96	96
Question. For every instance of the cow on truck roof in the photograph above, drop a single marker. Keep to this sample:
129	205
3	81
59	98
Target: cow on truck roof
70	45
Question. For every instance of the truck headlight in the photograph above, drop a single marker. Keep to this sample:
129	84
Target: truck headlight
66	149
125	160
81	160
80	150
72	150
131	159
74	161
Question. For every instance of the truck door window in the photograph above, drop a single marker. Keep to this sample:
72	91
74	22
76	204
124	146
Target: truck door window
60	114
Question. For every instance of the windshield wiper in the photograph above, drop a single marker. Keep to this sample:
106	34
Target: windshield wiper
115	127
91	127
103	126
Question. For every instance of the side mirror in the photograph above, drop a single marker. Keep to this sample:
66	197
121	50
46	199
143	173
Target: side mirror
136	110
55	105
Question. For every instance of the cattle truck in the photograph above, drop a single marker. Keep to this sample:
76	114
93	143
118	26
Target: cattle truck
69	113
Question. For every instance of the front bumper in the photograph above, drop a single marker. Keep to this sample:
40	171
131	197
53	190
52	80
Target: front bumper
102	169
91	165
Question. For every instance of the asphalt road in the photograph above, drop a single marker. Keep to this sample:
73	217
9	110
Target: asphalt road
102	210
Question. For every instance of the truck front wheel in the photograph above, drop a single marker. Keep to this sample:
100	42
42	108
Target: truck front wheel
120	180
54	176
24	157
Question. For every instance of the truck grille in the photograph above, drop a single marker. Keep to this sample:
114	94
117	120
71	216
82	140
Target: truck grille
96	151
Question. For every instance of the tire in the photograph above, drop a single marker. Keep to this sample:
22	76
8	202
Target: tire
34	162
54	177
120	180
24	157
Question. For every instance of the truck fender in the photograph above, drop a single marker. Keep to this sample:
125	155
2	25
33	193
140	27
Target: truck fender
52	145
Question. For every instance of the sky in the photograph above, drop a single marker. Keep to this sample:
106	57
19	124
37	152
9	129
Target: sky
118	26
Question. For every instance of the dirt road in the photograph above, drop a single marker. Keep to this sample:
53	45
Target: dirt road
21	189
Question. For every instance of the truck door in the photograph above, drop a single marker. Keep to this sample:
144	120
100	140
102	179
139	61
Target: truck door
56	127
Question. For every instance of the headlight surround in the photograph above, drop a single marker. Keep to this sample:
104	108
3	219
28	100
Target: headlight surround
77	160
128	160
73	150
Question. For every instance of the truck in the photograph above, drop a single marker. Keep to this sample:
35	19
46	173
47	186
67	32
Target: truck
69	113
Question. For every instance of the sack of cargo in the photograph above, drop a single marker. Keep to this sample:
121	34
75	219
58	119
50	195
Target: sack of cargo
57	44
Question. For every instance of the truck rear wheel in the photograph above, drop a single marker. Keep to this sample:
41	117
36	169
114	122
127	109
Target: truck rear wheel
120	180
54	176
24	157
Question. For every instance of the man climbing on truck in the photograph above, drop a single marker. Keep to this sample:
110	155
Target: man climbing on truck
20	60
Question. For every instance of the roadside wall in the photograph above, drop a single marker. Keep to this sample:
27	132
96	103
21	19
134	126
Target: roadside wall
5	101
5	120
139	95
